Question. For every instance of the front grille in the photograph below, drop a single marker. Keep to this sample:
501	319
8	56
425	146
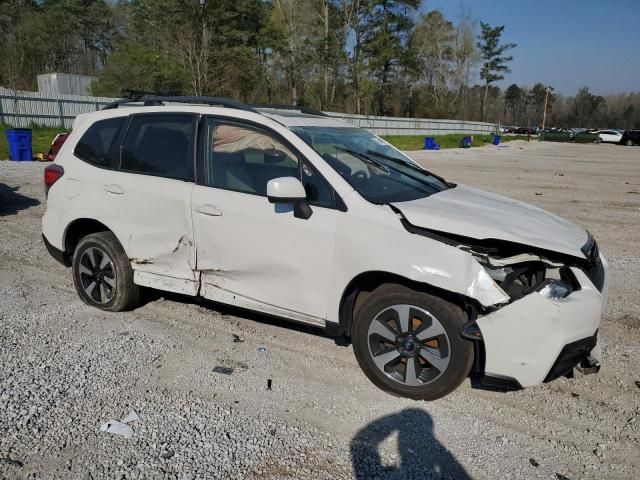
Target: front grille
571	355
594	268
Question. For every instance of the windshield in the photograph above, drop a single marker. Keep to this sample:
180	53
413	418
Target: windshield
379	172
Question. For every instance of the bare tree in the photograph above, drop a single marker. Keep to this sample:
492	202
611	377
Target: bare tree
466	56
433	40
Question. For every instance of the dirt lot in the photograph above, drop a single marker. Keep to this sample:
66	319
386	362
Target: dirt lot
201	393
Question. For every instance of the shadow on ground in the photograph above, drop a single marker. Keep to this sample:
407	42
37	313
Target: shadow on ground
12	202
420	454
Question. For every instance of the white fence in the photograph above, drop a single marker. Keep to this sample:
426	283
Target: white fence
414	126
23	109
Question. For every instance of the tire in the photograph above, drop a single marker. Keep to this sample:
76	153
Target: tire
102	273
433	335
629	143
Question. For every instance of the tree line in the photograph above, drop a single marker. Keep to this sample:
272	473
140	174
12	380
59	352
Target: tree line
524	107
378	57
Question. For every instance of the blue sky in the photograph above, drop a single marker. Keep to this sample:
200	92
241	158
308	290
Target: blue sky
564	43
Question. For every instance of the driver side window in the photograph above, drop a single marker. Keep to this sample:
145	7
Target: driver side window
244	159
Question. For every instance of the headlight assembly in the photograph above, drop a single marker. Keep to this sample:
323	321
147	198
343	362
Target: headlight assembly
555	289
522	275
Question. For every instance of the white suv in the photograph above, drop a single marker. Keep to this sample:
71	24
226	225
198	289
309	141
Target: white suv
303	216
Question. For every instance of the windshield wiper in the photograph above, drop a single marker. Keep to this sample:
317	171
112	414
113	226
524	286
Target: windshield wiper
407	164
366	158
384	167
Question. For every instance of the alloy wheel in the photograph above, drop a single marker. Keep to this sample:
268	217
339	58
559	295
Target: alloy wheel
409	345
97	275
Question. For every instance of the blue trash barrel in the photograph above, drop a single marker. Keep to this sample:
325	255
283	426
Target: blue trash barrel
429	143
19	140
496	139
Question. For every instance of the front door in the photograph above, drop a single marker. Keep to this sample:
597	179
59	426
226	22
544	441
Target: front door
252	253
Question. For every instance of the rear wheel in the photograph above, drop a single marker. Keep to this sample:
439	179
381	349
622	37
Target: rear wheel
408	343
102	273
629	143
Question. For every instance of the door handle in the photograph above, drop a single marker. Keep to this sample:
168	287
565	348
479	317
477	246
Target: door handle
115	189
209	210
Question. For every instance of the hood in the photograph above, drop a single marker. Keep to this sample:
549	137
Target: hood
483	215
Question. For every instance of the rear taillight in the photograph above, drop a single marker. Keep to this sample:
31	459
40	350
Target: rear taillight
52	173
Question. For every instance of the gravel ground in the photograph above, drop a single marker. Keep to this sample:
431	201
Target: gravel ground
196	373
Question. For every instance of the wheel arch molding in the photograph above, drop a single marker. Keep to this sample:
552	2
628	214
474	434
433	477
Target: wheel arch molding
78	228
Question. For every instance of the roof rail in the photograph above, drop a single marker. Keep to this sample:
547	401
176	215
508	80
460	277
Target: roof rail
295	108
158	100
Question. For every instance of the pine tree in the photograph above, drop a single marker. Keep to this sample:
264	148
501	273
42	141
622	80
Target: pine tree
494	64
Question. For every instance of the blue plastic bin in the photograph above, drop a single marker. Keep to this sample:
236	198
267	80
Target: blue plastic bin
19	140
429	143
496	139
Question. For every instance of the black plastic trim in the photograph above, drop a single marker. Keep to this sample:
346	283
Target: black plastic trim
282	199
471	331
57	254
302	210
492	382
571	355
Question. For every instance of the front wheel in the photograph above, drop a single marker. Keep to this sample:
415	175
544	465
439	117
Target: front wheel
408	343
102	273
629	143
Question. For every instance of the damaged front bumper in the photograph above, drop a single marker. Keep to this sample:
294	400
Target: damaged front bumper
536	339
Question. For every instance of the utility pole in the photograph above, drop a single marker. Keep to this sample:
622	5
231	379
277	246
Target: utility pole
546	99
204	40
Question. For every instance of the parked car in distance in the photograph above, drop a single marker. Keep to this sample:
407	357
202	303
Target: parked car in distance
609	136
630	137
526	131
296	214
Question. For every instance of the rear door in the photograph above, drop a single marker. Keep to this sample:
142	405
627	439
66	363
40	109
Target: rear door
253	253
152	194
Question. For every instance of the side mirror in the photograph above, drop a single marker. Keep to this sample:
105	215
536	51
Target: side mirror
289	190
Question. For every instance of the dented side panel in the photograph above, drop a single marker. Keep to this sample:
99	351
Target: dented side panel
149	215
372	239
262	255
152	219
166	283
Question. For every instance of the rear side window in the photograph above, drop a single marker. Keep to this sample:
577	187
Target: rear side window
160	145
99	145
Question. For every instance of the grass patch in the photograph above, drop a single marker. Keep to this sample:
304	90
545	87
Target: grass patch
416	142
40	142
